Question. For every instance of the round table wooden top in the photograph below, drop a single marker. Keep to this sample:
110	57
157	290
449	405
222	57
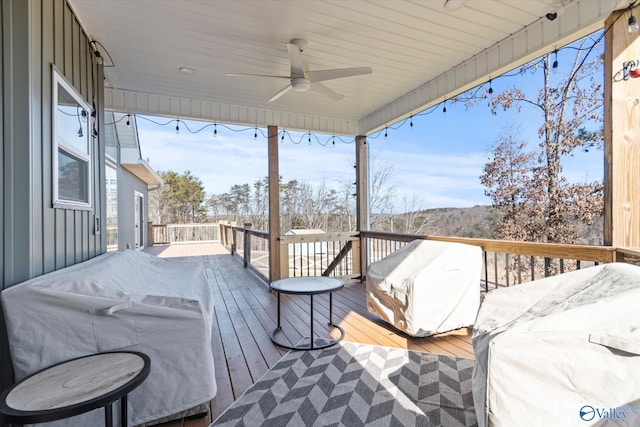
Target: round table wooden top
307	285
77	385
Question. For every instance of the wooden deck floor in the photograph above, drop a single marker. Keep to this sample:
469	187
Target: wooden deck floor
246	313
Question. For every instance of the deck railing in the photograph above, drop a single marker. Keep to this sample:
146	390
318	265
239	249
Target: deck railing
347	255
505	263
164	234
249	244
321	254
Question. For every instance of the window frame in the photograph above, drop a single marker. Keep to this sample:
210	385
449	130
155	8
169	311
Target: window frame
58	145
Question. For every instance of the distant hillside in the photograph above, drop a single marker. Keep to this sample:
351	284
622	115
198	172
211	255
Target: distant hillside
480	221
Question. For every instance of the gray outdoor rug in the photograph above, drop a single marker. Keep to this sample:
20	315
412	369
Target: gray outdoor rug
358	384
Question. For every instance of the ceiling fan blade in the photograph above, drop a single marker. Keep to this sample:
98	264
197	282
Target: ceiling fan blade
337	73
295	57
279	94
256	75
327	91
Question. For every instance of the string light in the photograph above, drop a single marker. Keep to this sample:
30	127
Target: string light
128	120
215	130
466	96
555	62
633	25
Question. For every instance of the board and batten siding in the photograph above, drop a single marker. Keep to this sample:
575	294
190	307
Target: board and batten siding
37	35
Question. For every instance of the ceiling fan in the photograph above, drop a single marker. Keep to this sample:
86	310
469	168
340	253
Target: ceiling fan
302	79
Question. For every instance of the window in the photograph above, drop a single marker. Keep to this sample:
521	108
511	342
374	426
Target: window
72	127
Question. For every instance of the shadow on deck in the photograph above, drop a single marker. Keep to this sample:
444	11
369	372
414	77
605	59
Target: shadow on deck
246	314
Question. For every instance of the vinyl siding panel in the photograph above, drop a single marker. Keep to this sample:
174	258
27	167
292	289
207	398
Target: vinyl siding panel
37	238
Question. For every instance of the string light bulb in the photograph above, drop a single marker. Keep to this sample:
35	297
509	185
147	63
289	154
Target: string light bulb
282	137
128	120
215	130
83	114
633	25
555	62
177	126
444	106
490	87
255	133
80	133
385	131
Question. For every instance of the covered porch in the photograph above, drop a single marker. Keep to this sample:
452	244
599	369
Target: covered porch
245	313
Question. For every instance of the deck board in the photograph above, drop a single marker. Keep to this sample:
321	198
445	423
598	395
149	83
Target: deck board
246	313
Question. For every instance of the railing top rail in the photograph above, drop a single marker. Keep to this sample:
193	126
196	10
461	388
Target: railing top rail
548	250
319	237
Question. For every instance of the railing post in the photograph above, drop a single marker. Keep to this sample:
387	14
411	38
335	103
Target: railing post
284	260
150	234
234	232
247	245
356	262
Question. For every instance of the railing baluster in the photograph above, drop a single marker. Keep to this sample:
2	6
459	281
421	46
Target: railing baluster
547	267
486	272
506	259
533	269
495	269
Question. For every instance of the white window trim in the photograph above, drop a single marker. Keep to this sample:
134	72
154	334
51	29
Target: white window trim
59	79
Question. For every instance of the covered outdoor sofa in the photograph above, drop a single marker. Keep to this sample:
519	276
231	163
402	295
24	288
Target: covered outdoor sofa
426	287
560	351
125	300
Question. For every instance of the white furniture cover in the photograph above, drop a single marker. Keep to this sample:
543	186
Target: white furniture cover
120	300
426	287
560	351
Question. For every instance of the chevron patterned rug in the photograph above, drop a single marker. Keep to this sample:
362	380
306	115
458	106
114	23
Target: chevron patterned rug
355	385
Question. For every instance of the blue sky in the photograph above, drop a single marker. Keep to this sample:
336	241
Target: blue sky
438	160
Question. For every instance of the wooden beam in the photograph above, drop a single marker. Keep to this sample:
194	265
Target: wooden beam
362	195
621	135
274	205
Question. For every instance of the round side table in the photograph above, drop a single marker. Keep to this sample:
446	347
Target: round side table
308	285
75	387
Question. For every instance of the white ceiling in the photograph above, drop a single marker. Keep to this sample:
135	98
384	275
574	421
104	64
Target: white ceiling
419	51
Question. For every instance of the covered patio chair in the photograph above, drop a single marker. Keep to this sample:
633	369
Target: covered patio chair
426	287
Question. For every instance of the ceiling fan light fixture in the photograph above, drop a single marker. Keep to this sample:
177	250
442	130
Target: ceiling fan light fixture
187	70
454	4
300	84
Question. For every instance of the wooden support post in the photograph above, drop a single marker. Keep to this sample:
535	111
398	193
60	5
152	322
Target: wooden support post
274	205
621	134
362	199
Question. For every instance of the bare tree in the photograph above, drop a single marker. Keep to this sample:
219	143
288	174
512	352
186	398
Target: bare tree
535	200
